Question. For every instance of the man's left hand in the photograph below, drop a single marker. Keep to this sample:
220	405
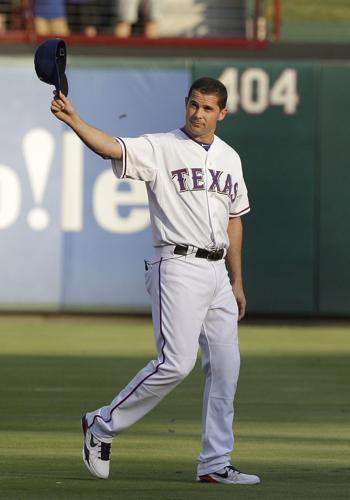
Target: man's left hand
238	292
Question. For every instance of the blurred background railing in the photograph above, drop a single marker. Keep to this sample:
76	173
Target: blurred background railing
276	20
239	19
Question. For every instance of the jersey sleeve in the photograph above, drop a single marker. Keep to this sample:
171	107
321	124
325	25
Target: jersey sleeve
138	161
240	205
239	200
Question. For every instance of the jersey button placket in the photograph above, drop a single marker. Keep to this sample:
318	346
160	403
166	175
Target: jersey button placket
209	195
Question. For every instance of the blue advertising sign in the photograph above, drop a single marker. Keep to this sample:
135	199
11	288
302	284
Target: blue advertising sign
71	234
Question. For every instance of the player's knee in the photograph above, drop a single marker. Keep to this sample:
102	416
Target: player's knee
182	372
182	368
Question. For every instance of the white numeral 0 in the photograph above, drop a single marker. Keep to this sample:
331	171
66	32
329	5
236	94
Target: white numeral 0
255	90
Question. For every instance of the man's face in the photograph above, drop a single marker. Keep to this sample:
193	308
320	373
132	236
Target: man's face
202	114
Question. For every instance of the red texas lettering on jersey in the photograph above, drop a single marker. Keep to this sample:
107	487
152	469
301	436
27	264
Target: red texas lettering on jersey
193	180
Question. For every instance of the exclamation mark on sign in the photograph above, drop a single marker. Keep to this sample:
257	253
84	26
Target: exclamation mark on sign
38	150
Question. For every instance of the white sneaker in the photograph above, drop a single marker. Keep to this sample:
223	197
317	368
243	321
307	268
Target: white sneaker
95	453
229	475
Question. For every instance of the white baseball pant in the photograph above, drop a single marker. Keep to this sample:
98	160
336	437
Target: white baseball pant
192	304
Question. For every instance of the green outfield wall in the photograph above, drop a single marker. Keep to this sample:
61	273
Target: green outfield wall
333	177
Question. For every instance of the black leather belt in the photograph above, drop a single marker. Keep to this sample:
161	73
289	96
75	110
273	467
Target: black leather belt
201	253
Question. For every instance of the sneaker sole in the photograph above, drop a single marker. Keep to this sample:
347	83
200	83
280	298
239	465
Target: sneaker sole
207	479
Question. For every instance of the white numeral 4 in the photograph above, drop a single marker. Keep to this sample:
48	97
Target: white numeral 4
284	92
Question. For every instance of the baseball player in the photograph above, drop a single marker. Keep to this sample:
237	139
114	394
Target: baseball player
197	196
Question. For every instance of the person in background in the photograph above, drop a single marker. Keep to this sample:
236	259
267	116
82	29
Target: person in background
83	16
4	12
2	23
128	13
50	17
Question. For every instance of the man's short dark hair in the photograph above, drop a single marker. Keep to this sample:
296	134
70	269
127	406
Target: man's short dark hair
207	85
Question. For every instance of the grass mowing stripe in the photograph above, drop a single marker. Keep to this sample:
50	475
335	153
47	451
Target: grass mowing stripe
292	413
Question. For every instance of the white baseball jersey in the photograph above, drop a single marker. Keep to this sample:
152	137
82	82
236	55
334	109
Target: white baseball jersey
192	192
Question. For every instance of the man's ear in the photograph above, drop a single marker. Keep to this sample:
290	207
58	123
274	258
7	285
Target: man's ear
222	114
186	101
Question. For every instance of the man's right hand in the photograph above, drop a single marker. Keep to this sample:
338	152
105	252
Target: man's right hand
62	108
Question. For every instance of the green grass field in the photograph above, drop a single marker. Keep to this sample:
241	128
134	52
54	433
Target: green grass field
292	413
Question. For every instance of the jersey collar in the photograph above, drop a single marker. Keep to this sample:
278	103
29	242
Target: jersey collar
204	145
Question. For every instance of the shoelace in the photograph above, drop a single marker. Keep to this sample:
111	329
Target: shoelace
232	470
229	470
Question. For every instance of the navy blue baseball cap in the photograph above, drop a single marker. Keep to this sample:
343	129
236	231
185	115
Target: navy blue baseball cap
50	63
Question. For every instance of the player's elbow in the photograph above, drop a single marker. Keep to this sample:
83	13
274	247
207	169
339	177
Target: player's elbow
105	156
107	148
110	152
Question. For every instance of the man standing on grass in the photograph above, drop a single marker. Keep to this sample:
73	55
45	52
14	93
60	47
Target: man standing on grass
196	197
